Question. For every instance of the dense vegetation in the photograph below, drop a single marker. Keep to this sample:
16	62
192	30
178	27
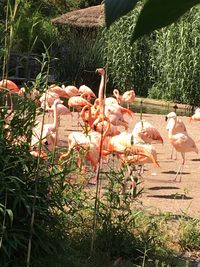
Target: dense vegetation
157	65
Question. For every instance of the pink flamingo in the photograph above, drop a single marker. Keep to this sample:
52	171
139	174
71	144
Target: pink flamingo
89	142
58	90
128	97
86	89
179	127
78	102
47	133
145	132
196	115
182	142
61	110
47	99
118	96
114	113
11	87
121	144
71	90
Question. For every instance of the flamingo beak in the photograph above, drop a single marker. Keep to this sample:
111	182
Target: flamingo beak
166	118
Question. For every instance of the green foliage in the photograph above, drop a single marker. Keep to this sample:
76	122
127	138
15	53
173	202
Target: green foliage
128	65
175	65
169	11
190	234
157	65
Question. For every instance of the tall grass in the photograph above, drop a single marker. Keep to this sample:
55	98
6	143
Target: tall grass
176	63
156	65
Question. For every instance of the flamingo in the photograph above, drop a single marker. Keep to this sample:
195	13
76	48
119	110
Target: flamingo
70	90
78	102
33	94
182	142
61	110
121	144
179	127
85	89
11	87
146	132
128	97
117	95
47	99
90	142
58	90
196	115
140	159
46	133
112	112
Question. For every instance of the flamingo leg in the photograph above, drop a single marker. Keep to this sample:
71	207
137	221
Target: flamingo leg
180	169
172	154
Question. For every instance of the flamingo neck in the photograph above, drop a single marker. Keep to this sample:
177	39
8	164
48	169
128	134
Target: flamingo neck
101	90
55	118
172	128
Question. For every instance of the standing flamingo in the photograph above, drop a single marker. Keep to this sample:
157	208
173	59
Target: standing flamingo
71	90
182	142
128	97
85	89
179	127
61	110
58	90
46	133
78	102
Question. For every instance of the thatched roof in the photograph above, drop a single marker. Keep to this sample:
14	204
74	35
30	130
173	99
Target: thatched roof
90	17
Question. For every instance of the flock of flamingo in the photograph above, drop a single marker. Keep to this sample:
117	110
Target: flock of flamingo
103	119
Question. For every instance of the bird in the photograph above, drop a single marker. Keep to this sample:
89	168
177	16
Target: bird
58	90
9	85
128	97
112	112
145	131
89	142
78	102
118	96
85	89
196	115
121	144
140	160
179	127
181	141
46	134
70	90
61	110
47	99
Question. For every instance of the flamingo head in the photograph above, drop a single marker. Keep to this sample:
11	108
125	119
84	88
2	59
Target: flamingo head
101	71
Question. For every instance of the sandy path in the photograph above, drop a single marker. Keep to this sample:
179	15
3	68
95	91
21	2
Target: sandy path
161	193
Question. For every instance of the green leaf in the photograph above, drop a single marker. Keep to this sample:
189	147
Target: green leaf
10	214
159	13
114	9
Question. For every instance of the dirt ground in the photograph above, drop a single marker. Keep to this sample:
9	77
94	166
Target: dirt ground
161	192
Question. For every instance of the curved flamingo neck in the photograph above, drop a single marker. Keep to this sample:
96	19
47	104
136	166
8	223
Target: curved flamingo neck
117	95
